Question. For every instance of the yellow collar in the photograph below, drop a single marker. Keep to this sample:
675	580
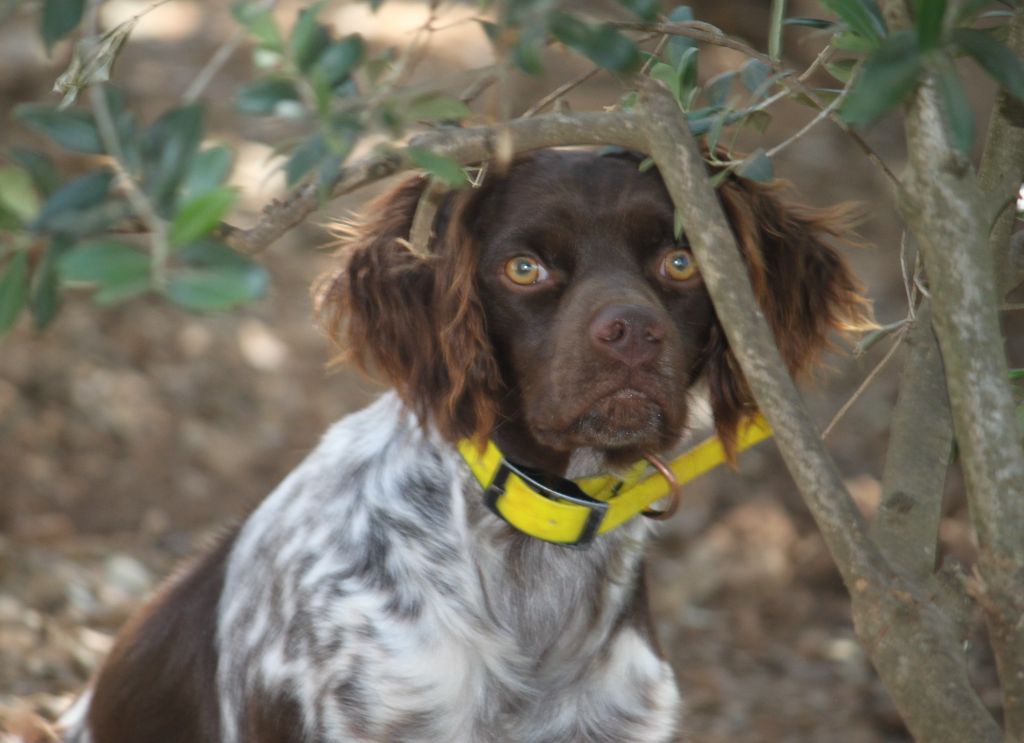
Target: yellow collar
571	512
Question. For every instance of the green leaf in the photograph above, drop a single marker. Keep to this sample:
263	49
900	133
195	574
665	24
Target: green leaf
119	292
92	61
436	107
308	154
442	167
309	38
39	166
956	107
687	67
260	23
718	88
44	297
928	18
888	76
103	262
850	42
263	97
198	216
602	44
117	270
211	253
754	74
646	9
338	60
862	16
759	120
818	23
59	18
681	79
678	45
823	96
90	220
842	70
1016	374
168	147
208	170
704	120
8	223
73	129
74	197
17	194
216	288
668	75
527	52
997	59
13	291
756	166
717	126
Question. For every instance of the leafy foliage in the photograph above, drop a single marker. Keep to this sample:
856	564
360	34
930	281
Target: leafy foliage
337	92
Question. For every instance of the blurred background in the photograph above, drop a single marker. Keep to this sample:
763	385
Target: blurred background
131	436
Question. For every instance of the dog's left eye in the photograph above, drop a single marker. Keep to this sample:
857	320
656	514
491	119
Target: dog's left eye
525	271
678	265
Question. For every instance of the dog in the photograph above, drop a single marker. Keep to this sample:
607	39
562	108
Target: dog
378	594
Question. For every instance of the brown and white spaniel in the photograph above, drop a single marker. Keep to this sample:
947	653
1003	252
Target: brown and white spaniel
374	596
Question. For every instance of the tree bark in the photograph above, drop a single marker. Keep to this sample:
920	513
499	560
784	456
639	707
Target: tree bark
945	207
911	640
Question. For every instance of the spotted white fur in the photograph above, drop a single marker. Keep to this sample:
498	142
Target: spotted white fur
374	597
374	589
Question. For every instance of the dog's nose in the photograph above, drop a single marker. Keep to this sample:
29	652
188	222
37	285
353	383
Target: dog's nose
628	333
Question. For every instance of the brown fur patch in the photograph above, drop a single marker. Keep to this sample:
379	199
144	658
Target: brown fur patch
159	682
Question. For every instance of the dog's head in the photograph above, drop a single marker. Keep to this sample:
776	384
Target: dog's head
556	303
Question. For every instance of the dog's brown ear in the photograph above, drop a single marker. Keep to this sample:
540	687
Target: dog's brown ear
803	285
415	319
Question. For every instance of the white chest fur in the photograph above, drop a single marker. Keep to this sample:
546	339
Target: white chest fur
374	591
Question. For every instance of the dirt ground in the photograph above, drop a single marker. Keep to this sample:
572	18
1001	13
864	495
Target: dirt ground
130	437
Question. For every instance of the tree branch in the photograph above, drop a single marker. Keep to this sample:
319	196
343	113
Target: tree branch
465	145
946	209
920	448
1002	164
709	34
684	173
912	642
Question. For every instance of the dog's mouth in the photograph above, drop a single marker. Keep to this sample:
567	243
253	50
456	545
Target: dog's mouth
631	418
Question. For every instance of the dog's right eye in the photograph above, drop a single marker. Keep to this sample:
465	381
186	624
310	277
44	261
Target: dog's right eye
525	271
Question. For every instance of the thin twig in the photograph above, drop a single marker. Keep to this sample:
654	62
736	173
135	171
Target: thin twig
821	116
221	56
213	66
900	335
909	287
823	56
423	220
107	131
471	145
655	53
709	34
478	86
558	92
